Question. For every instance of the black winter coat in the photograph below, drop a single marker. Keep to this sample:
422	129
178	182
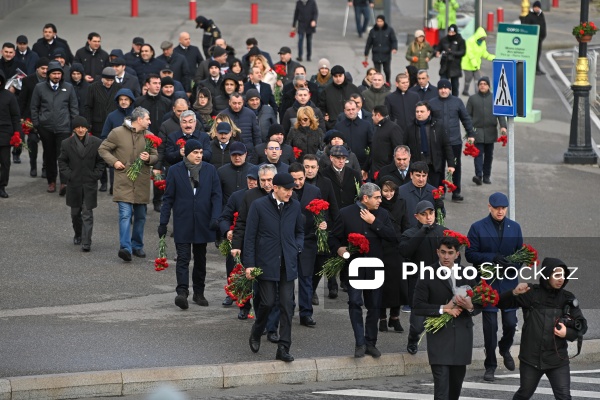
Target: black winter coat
99	103
192	55
402	108
387	136
452	49
233	178
291	116
332	98
345	192
305	139
537	19
240	227
412	195
440	150
82	170
158	106
219	156
45	49
358	135
143	68
448	114
305	12
10	117
93	62
52	110
327	194
430	92
381	42
24	99
180	68
395	289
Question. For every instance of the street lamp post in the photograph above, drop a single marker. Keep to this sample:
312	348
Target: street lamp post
580	139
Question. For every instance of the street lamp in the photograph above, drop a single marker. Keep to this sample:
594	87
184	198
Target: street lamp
580	139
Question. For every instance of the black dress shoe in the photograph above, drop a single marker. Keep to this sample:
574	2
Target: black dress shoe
412	347
199	299
85	248
254	343
273	337
63	189
77	240
359	351
283	354
228	301
382	325
315	299
457	197
307	321
395	323
16	159
509	362
157	207
110	191
33	172
333	293
102	188
139	253
124	255
372	351
486	180
3	193
181	301
477	180
299	59
243	314
488	376
344	287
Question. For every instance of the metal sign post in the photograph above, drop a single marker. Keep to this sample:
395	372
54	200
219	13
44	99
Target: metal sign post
510	122
346	21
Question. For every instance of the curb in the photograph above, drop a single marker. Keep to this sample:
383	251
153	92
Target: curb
220	376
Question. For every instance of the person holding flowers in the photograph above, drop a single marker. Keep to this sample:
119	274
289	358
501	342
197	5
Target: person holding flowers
10	123
193	192
123	146
493	239
311	204
366	218
450	349
273	241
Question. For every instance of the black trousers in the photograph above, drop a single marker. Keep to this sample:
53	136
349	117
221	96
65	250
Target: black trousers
184	254
490	334
386	69
559	378
448	381
331	282
33	151
4	165
51	141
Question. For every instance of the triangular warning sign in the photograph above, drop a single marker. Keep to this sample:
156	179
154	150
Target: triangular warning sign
503	97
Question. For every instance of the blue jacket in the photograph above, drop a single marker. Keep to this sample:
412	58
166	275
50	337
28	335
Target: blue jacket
194	215
116	117
307	258
485	245
358	135
413	195
143	68
270	235
448	114
172	153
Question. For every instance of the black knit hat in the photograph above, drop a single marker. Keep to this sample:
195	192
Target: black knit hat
191	145
80	121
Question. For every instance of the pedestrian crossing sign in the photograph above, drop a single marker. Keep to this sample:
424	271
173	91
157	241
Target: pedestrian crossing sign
509	88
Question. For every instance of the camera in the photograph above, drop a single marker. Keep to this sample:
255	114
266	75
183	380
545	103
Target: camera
566	319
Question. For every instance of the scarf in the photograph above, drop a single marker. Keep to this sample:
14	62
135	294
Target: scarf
323	80
204	111
423	130
81	144
194	172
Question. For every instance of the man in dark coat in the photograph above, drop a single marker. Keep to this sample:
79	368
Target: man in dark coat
383	43
398	170
26	55
80	85
147	64
10	123
417	190
536	17
194	194
246	120
306	193
49	42
303	99
451	48
424	89
178	64
81	164
154	102
273	154
401	103
449	112
174	153
358	132
289	90
285	60
264	113
190	52
332	98
24	99
220	146
133	55
429	143
276	134
367	218
275	222
493	238
450	349
376	93
253	51
345	180
305	23
211	33
8	62
232	175
53	107
264	89
122	76
100	100
388	135
92	57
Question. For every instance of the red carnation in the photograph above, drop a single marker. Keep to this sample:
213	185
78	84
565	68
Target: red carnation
155	141
180	143
503	139
280	70
376	175
462	239
297	152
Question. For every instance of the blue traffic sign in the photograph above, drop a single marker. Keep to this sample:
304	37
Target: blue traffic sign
504	87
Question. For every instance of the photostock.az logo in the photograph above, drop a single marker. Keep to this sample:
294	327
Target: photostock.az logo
366	284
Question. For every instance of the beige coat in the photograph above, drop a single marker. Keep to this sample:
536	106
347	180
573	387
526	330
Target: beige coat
125	144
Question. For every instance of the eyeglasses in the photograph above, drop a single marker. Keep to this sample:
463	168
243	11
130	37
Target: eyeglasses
304	119
273	148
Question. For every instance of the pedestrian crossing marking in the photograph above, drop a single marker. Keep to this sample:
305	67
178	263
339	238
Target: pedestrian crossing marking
513	388
503	97
576	379
382	394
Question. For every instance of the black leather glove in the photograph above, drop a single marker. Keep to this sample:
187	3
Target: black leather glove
438	204
501	260
162	231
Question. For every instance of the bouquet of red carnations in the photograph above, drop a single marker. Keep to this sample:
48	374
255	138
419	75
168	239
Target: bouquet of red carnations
462	239
448	182
225	245
357	243
526	255
439	215
161	263
503	139
471	150
317	207
16	141
238	287
152	141
159	182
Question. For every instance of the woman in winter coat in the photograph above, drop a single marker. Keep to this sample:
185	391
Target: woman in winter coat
366	82
323	77
204	106
306	134
269	76
382	43
451	48
305	24
419	52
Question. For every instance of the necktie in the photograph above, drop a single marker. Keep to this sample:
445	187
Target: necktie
403	174
258	87
55	87
280	206
119	79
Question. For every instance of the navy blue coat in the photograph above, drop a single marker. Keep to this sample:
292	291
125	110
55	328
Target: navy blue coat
309	254
266	94
172	151
449	113
193	214
413	195
270	235
143	68
358	135
485	244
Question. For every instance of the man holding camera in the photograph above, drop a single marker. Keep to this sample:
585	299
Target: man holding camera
552	317
493	239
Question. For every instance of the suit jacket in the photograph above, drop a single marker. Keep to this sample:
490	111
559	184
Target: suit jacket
345	191
453	344
431	92
486	244
392	171
440	150
412	195
82	170
309	254
266	94
194	214
131	82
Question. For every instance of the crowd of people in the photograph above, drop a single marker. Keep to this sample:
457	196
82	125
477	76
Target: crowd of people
238	148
